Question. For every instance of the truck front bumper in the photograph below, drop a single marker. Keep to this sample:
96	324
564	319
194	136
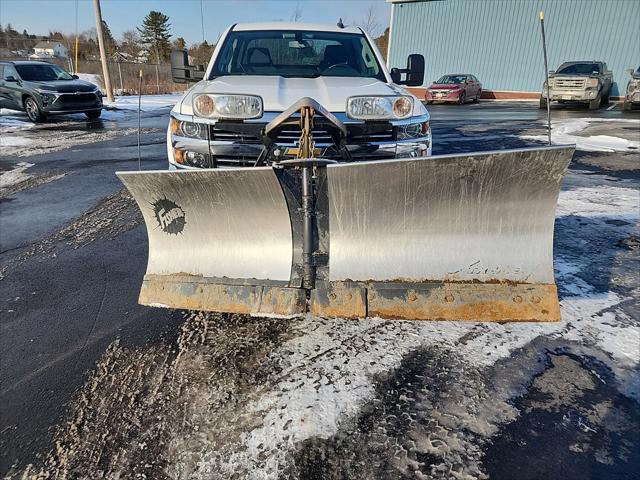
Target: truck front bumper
633	97
216	148
572	95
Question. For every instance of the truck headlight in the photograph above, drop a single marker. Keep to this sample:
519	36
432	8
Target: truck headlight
413	130
380	108
237	107
188	129
592	82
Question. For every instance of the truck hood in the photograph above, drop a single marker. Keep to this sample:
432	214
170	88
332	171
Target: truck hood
279	93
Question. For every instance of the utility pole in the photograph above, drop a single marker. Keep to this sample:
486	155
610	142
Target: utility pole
546	74
103	51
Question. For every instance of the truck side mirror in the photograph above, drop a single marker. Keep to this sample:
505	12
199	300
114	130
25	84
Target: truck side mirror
11	78
181	71
414	72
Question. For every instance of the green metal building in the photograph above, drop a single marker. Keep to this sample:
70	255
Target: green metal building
499	41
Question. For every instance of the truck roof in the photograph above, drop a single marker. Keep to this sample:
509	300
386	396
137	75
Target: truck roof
314	27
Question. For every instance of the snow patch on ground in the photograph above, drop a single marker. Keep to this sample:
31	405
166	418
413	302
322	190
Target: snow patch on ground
148	102
12	141
14	120
613	202
16	175
564	132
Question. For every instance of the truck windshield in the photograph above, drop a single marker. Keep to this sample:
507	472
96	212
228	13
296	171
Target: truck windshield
41	73
579	69
300	54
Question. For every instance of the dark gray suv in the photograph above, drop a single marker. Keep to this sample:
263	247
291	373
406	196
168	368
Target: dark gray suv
41	89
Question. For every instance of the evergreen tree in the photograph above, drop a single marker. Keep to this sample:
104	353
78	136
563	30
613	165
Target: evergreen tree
155	35
109	42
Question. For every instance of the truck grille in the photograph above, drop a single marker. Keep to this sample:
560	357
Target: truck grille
229	136
568	83
291	134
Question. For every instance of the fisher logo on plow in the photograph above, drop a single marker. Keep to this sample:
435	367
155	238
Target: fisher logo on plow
170	217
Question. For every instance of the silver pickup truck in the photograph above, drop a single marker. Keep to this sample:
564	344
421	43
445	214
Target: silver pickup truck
584	82
632	94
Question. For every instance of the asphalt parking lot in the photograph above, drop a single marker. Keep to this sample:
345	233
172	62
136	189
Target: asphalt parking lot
95	386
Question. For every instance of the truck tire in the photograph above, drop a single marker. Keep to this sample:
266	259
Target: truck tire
605	99
33	110
543	103
595	103
627	106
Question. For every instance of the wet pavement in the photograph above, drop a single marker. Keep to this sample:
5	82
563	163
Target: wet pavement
93	385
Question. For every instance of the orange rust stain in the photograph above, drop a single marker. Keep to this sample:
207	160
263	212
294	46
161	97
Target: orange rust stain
345	303
211	298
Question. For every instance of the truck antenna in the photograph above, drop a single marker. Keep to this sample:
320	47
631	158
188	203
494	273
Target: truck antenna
340	24
139	108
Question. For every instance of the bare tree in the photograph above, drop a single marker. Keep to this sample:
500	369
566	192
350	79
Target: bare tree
297	13
131	44
370	22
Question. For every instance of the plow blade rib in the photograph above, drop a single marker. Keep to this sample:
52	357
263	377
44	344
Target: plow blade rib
466	237
219	240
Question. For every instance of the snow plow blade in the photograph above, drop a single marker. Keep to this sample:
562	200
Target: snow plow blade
219	240
463	237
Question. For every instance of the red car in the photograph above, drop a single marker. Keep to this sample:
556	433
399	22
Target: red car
458	88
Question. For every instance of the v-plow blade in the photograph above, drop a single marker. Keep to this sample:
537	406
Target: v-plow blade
463	237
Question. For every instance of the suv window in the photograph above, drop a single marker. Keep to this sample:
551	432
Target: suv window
42	72
299	54
9	71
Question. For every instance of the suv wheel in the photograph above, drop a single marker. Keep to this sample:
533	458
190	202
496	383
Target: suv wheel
93	114
33	110
595	103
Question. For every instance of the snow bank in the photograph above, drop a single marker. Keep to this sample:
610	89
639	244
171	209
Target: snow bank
91	78
563	133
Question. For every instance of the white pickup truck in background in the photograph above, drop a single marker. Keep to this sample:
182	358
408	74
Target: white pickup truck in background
258	71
